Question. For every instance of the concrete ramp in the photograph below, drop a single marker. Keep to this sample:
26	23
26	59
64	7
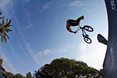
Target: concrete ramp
110	61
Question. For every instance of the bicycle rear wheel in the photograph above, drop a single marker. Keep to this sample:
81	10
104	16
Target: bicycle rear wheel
87	40
88	28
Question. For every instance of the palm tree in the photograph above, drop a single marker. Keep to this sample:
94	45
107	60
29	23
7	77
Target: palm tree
4	29
0	15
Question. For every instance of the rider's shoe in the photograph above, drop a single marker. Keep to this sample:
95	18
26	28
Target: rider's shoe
82	17
75	32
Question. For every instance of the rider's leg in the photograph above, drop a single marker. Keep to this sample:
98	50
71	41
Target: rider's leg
79	19
72	22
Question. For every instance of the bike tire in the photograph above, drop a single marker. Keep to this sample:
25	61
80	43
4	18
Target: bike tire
87	40
88	28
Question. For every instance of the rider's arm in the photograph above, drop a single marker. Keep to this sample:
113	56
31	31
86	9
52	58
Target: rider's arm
79	19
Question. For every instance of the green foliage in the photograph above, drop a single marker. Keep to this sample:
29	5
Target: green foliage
67	67
10	75
18	76
5	27
29	75
62	67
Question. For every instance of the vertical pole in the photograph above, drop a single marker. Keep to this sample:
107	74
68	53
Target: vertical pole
110	61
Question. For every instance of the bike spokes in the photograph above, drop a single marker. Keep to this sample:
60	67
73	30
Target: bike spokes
88	28
87	40
85	35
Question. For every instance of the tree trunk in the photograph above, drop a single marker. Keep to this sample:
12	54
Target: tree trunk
110	61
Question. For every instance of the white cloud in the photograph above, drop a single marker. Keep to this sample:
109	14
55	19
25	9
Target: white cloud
26	1
54	51
44	7
30	25
63	50
31	53
47	51
3	3
38	57
76	3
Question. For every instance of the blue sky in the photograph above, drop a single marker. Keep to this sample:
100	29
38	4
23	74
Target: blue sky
39	33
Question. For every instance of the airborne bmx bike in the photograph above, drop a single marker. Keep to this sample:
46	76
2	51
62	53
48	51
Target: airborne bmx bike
84	34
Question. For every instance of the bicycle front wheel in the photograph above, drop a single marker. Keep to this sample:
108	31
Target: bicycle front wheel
87	40
88	28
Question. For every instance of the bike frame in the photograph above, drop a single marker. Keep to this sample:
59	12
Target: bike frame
84	34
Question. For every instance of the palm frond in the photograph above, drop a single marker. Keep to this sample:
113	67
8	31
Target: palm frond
8	30
7	24
4	29
6	35
3	20
3	39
